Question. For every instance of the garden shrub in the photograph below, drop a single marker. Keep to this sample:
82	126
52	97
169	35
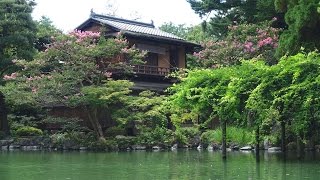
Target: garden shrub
28	131
114	131
79	138
157	136
124	142
184	134
58	139
211	136
65	124
234	135
103	145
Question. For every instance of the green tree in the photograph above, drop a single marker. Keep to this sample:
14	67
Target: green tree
72	72
145	116
244	41
192	33
46	32
205	93
230	12
277	99
179	30
303	19
17	32
17	37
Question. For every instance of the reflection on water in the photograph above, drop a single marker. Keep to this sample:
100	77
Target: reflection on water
155	165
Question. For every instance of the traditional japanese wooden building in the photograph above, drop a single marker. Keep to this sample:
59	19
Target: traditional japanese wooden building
166	52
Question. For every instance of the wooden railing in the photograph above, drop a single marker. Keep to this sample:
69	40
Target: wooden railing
152	70
145	70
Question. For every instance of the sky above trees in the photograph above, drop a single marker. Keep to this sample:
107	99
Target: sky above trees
67	15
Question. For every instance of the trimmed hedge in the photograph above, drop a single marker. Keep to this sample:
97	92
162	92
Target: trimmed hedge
28	131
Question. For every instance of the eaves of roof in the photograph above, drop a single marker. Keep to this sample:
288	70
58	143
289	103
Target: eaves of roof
137	29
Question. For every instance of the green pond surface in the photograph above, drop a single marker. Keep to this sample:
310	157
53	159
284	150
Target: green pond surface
155	165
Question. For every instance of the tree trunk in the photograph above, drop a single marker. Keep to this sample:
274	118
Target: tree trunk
92	115
257	144
283	136
224	139
299	147
4	125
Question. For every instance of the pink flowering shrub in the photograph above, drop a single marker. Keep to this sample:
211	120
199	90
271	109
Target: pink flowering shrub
71	61
245	41
74	71
84	35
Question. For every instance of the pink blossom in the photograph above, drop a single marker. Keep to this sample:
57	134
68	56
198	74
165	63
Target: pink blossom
119	41
82	35
198	55
34	90
29	78
248	47
264	42
275	45
125	50
10	77
108	74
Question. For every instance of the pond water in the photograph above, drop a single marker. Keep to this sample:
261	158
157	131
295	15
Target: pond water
155	165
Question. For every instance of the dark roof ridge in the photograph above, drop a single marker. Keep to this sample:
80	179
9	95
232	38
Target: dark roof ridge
112	18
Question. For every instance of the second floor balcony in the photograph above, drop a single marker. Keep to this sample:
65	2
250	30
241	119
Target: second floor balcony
146	70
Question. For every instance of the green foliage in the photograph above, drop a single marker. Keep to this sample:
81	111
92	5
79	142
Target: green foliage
253	95
66	124
303	19
145	111
111	92
226	13
157	136
60	72
109	144
76	139
193	33
58	139
184	134
234	135
28	131
289	93
17	121
46	33
114	131
218	93
74	71
125	142
17	33
244	41
179	30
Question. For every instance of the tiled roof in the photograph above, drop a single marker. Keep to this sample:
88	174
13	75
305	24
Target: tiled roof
133	26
